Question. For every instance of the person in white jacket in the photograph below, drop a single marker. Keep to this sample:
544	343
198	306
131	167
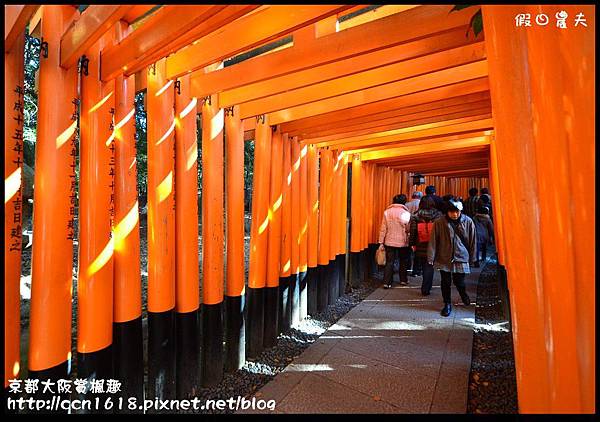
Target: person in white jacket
394	236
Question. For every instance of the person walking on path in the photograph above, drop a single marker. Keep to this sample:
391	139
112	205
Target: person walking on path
421	227
413	206
485	232
471	203
486	200
439	202
451	248
394	236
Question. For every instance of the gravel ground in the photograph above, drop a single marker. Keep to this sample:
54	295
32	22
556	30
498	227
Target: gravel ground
492	381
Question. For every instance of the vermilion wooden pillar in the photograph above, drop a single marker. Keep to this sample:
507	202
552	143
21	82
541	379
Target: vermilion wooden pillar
271	319
212	242
294	293
355	208
235	343
312	278
161	234
257	276
542	89
52	254
323	258
303	235
285	314
128	348
187	283
13	206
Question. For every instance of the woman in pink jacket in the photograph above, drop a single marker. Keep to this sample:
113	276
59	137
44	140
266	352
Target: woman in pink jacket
394	234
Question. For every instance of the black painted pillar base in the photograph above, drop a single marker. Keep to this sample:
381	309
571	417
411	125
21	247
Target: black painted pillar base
333	282
354	271
96	365
128	361
285	311
341	264
503	293
187	373
212	344
295	299
161	355
271	318
55	373
312	280
303	295
322	288
255	321
235	342
363	266
371	250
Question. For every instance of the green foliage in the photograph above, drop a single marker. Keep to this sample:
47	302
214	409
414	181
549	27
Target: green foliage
248	173
141	143
30	109
476	22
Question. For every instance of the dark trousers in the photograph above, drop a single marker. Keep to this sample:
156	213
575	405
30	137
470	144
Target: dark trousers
391	253
417	265
481	250
459	282
428	272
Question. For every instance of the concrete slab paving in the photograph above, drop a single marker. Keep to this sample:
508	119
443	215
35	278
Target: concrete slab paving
392	353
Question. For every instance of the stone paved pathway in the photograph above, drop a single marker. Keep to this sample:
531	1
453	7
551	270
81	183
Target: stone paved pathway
392	353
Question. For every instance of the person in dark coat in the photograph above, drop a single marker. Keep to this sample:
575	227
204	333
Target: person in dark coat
421	227
451	247
485	200
471	203
485	232
439	202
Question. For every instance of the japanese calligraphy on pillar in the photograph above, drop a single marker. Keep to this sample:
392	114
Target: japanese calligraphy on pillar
16	229
111	172
72	175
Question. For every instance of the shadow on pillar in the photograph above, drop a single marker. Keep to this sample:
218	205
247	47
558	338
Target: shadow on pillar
235	328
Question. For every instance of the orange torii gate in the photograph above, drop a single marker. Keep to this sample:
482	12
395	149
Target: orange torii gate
363	101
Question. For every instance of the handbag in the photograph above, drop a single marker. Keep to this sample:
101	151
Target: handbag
380	255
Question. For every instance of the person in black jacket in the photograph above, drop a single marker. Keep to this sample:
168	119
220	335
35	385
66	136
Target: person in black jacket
421	227
439	202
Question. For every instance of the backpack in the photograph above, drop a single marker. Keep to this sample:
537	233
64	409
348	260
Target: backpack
424	230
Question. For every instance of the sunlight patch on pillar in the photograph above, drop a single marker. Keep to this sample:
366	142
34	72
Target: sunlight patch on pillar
167	133
100	103
188	108
125	226
163	89
165	187
66	135
102	259
216	124
12	184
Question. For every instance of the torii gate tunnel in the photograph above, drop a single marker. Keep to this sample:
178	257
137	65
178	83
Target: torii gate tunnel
343	112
